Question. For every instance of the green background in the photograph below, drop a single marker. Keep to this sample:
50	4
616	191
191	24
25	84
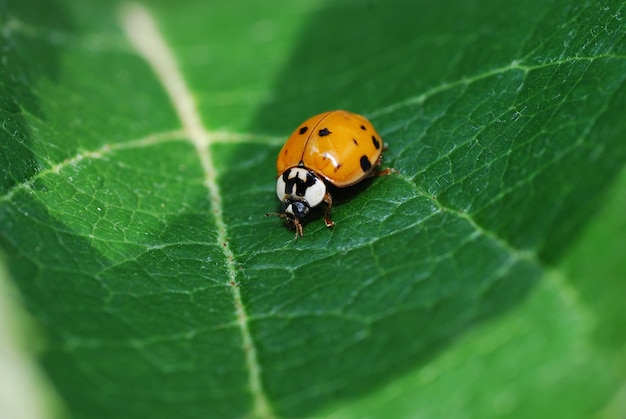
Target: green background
485	279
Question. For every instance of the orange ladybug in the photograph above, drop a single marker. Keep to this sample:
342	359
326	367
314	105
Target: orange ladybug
339	148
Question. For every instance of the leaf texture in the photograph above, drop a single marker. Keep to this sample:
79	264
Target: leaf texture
137	156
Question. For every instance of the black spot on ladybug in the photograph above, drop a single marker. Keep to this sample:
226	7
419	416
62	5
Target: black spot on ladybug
355	141
303	130
324	132
376	143
365	163
285	152
363	127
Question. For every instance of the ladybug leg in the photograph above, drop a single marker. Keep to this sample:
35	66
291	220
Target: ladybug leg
384	172
298	227
329	200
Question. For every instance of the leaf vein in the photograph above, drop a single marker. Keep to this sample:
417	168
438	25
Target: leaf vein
515	65
145	36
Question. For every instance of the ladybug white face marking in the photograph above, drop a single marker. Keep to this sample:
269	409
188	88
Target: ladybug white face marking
299	190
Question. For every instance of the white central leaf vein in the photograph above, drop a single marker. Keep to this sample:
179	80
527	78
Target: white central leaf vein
146	38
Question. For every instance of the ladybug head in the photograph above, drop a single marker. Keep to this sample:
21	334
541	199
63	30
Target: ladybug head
295	209
293	212
299	190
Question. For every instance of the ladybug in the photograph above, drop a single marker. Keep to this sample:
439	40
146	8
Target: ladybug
337	148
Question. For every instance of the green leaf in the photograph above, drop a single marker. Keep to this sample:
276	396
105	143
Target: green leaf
560	353
137	160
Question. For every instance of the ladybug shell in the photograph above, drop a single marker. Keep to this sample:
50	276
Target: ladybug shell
340	146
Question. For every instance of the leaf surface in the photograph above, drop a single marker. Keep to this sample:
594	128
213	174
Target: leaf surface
137	158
